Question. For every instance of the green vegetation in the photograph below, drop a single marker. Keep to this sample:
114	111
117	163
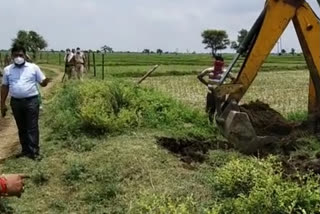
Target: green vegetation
285	91
123	107
99	142
100	156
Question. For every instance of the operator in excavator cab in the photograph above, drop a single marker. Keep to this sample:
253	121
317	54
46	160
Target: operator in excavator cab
215	74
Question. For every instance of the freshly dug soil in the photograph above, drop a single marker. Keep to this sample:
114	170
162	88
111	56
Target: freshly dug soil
190	150
266	121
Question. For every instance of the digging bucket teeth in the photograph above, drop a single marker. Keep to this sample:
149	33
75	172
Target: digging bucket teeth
237	128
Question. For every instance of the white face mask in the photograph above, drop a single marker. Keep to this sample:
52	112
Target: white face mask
19	60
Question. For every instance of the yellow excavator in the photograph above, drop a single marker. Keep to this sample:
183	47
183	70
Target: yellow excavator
263	36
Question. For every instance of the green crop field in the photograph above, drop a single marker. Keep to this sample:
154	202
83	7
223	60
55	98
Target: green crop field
275	88
111	146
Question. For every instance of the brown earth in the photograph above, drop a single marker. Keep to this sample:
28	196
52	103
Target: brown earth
9	141
266	122
191	150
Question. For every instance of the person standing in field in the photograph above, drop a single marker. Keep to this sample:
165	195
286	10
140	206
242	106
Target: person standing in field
20	79
214	74
69	63
80	61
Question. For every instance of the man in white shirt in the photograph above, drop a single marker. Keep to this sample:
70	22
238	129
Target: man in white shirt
20	79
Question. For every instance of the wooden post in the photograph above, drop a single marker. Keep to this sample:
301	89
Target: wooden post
47	57
59	58
103	66
88	62
94	65
148	74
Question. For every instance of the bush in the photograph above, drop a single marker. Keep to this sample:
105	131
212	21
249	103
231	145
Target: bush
254	186
113	107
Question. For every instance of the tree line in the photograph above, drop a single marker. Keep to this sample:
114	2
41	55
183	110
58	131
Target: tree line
215	40
219	40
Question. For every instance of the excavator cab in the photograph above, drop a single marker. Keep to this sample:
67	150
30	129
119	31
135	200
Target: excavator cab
236	125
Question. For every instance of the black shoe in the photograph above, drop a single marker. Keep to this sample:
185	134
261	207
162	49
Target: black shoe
22	154
35	157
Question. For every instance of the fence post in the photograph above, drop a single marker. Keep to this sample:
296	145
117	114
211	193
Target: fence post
94	65
88	62
59	58
47	57
103	66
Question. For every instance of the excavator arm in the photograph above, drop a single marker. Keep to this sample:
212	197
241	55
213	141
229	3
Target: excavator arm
274	19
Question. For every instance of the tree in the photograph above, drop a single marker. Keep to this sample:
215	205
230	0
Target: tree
31	40
216	40
159	51
146	51
283	51
106	49
242	34
293	51
234	45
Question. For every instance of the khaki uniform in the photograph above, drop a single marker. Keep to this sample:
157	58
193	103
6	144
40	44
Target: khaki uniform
79	61
70	65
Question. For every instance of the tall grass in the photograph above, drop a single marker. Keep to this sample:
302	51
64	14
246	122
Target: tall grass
113	107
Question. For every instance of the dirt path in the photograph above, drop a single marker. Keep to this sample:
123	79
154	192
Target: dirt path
9	141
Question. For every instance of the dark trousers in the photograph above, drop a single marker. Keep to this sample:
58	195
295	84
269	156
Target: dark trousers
26	114
213	104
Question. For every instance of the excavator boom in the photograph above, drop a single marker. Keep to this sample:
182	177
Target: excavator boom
272	22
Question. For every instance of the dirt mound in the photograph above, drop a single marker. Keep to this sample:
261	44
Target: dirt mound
267	121
190	150
289	138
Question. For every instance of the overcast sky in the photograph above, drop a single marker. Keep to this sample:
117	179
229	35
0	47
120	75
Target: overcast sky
131	24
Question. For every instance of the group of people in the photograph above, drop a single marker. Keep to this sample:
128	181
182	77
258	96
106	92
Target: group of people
21	79
75	62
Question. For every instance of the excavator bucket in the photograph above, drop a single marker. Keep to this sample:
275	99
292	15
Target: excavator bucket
237	128
236	125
